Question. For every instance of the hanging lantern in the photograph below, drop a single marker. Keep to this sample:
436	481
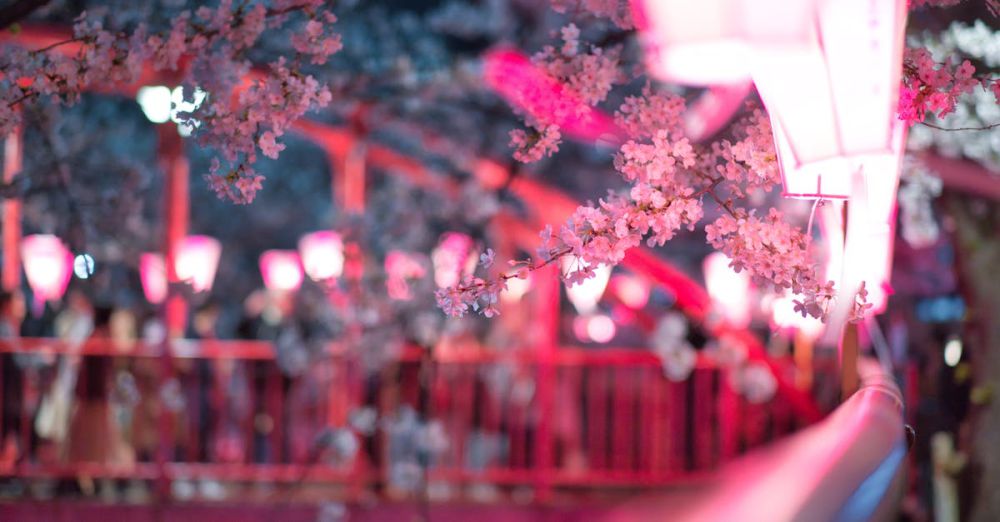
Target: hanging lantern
196	261
632	291
784	316
322	255
832	100
729	290
281	270
153	273
711	42
48	265
586	294
453	259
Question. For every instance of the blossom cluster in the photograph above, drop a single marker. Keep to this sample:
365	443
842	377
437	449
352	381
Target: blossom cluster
929	86
207	45
618	11
574	82
669	178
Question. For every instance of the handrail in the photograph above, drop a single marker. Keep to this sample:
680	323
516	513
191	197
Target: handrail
844	468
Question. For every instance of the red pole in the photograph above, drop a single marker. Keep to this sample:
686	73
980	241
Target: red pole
11	276
175	219
547	292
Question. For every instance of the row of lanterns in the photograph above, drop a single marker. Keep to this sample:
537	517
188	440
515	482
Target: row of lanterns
49	264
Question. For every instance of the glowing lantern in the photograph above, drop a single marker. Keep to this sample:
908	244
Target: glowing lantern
586	294
784	315
153	273
452	259
729	290
632	291
155	102
196	261
281	270
712	41
48	265
322	255
516	288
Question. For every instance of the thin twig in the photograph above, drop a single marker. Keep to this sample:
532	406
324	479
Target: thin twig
988	127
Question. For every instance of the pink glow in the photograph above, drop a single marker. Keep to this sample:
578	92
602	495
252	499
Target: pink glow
631	290
322	255
453	258
600	328
784	316
197	260
586	294
153	273
712	42
48	265
729	290
516	288
714	109
512	75
281	270
400	267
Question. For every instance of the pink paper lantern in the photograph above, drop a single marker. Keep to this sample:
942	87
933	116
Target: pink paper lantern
196	262
153	273
710	42
784	316
453	259
281	270
48	265
729	290
586	294
322	255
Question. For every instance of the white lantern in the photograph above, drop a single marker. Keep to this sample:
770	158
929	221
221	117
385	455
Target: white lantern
48	267
196	260
281	270
729	290
322	255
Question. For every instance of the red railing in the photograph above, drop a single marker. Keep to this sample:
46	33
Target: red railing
612	420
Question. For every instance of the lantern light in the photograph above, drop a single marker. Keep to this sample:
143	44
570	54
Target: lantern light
281	270
452	259
631	290
322	255
197	260
48	267
155	102
729	290
153	274
600	328
83	266
784	315
587	293
953	352
516	288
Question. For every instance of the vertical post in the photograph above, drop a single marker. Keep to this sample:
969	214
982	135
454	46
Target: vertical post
803	355
175	223
547	293
849	361
11	274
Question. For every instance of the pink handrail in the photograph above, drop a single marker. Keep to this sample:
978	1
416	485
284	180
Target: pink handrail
844	468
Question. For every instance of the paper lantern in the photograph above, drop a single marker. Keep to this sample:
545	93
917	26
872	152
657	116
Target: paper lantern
453	258
197	258
833	99
729	290
784	316
322	255
281	270
48	265
711	42
586	294
153	273
400	268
